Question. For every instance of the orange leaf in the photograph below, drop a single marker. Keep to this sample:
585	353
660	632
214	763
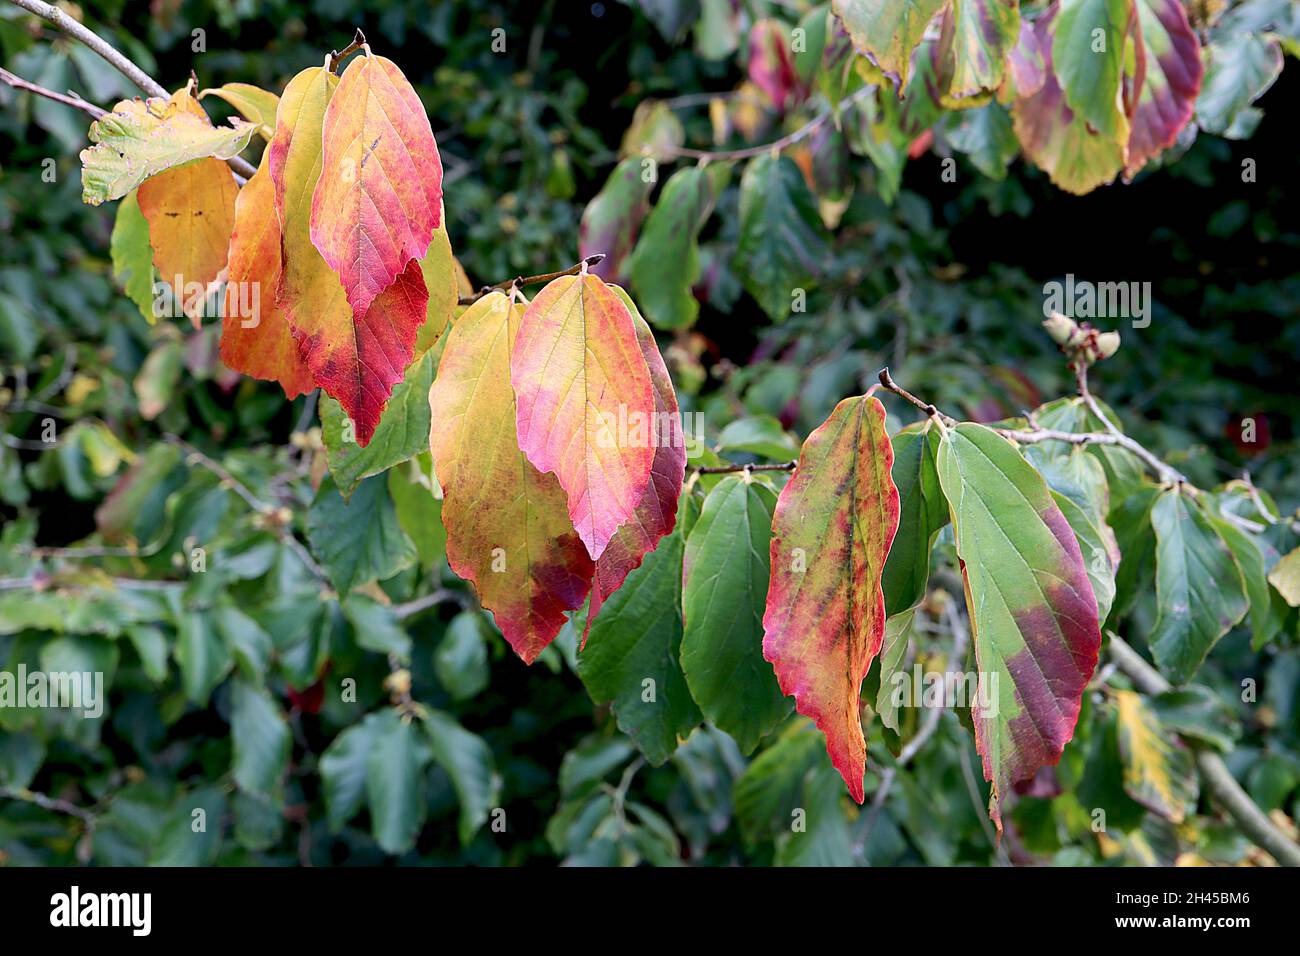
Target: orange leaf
508	530
356	358
583	389
255	336
379	195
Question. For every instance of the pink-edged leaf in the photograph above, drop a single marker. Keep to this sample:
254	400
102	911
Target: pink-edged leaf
1171	81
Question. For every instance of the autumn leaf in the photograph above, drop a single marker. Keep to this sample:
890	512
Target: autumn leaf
825	620
255	335
887	31
356	359
1032	610
379	195
254	104
142	138
582	390
1171	80
508	529
656	513
191	215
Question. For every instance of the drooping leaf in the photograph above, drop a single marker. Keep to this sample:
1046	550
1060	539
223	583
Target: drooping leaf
770	791
142	138
1032	611
825	620
631	655
1026	69
1171	81
1285	577
582	388
358	539
782	241
255	335
725	581
395	781
1057	140
461	660
357	359
1136	541
375	626
976	36
666	261
612	219
133	256
417	496
888	32
1264	622
442	275
1158	772
379	194
403	430
893	652
1238	70
343	772
758	435
260	739
1100	555
1199	590
771	65
922	512
986	136
467	759
655	129
1087	61
508	528
202	657
254	104
656	513
191	215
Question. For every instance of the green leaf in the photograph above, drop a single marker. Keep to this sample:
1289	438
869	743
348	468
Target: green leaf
140	139
1131	519
260	739
402	433
590	762
986	136
631	656
1199	591
1033	614
771	788
395	782
414	491
1158	773
665	264
782	240
249	645
887	31
922	512
758	435
1088	60
893	652
1097	553
375	627
1197	713
821	836
1238	71
461	660
343	772
21	756
611	220
1264	622
133	256
191	835
467	759
201	655
358	540
726	576
151	646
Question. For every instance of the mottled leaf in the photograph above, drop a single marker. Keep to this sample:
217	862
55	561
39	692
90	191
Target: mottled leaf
1159	773
612	219
887	30
1032	611
1171	80
825	620
975	37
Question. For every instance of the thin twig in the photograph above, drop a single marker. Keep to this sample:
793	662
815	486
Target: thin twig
732	469
1253	821
440	596
53	804
522	281
338	56
115	58
67	99
748	152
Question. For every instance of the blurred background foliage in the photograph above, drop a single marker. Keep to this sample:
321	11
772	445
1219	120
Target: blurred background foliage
943	283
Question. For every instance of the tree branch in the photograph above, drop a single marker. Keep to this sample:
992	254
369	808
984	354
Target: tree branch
748	152
522	281
67	99
121	63
732	469
1253	821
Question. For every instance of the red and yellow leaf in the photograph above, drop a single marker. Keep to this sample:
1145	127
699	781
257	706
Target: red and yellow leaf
581	385
825	620
255	336
508	529
657	513
357	359
379	195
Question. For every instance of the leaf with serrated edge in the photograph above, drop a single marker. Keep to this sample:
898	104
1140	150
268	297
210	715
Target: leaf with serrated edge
1032	611
508	528
887	30
379	195
834	522
261	344
581	388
